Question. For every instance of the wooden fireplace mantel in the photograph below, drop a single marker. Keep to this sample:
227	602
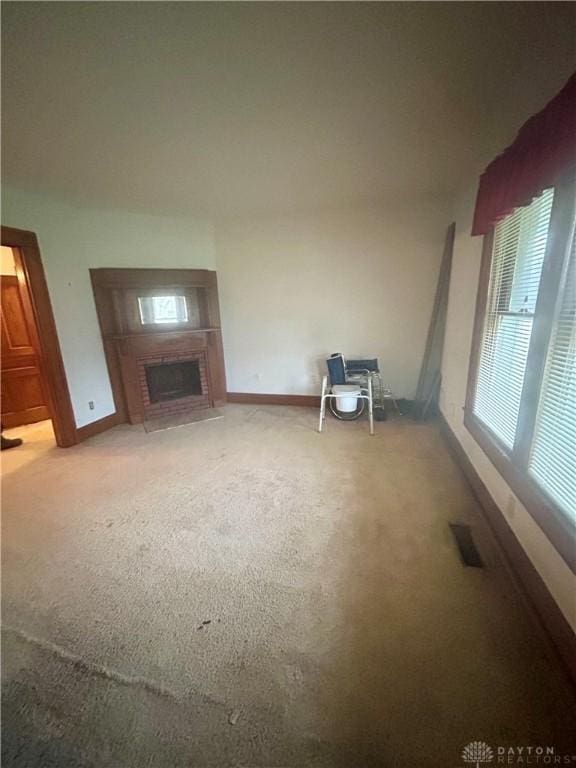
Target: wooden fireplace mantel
128	344
162	333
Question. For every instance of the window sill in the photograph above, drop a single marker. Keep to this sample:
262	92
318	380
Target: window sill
553	522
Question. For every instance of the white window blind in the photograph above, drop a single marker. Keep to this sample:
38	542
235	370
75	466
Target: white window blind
553	458
517	258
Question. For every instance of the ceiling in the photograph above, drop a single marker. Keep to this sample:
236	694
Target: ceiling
234	108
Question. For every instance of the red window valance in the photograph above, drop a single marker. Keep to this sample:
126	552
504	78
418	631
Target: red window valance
544	148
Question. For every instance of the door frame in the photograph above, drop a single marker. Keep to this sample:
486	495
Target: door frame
30	270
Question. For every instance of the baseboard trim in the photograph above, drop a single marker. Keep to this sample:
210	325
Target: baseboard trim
254	398
527	578
96	427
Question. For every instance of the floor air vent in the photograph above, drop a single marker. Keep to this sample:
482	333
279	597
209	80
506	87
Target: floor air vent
468	552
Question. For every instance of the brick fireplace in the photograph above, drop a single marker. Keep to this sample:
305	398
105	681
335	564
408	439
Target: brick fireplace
162	339
173	383
168	373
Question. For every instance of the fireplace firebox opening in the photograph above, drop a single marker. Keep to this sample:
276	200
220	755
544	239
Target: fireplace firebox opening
170	381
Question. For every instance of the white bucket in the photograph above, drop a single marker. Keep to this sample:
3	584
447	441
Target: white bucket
346	397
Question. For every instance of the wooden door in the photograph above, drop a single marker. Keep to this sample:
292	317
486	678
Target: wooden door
23	393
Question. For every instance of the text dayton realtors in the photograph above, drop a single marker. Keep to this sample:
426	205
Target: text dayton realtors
532	756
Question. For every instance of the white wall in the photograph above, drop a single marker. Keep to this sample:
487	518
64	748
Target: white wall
292	290
295	289
463	285
74	239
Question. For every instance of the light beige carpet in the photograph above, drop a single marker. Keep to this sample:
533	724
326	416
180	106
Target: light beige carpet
181	419
251	593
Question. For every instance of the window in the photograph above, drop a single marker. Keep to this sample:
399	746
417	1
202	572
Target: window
163	309
553	455
517	259
521	402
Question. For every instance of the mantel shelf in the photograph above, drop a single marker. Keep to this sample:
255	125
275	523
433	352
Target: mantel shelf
166	331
